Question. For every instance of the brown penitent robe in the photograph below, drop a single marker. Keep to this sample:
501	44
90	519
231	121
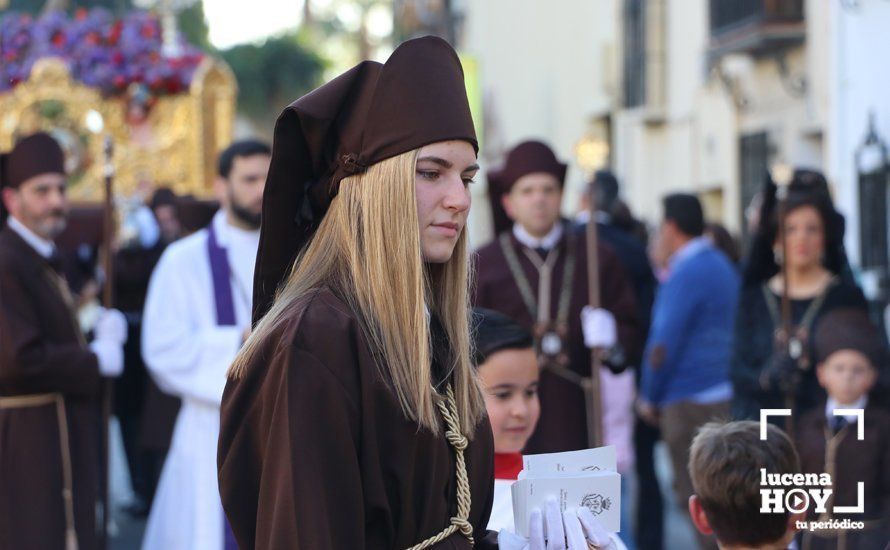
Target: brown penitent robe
49	392
562	425
316	453
848	461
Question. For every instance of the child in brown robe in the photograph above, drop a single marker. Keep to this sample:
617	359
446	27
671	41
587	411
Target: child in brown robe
850	351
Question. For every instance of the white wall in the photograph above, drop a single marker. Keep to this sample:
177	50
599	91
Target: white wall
653	160
859	84
697	148
545	69
548	68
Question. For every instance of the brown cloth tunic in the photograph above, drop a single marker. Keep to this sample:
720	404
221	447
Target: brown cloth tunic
562	425
315	452
41	352
849	461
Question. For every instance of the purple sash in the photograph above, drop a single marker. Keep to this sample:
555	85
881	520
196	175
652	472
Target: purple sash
225	317
229	543
222	284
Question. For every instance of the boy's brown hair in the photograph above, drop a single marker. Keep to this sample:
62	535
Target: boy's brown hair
724	462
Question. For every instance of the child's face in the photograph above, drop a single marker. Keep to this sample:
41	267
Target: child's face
510	381
846	375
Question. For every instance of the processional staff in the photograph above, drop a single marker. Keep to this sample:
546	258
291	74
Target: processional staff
107	254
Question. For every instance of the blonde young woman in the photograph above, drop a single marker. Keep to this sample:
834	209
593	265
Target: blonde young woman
352	417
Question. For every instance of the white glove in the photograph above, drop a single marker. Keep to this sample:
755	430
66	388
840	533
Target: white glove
110	335
149	231
599	328
594	531
553	531
110	355
112	327
574	529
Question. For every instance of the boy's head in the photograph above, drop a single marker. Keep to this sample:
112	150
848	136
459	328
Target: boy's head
508	371
725	462
849	351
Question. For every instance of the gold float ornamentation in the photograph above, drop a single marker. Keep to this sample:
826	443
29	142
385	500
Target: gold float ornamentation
174	144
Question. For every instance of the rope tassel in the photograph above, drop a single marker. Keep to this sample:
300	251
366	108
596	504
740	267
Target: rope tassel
460	522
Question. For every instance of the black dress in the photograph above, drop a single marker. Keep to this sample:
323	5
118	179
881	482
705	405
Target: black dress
753	345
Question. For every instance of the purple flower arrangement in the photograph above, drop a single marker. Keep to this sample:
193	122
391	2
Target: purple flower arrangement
102	52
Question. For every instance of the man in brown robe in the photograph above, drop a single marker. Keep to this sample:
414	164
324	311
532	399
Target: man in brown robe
539	236
50	379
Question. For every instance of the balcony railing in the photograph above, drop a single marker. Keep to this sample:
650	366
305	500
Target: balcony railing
755	25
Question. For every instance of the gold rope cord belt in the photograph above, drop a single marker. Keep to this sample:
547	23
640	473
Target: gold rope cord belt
460	522
541	311
57	399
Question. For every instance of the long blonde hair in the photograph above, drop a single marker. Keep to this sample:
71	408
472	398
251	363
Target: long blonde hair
367	250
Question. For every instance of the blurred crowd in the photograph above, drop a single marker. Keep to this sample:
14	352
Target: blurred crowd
685	325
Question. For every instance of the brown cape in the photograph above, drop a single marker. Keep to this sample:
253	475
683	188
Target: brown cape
562	425
41	352
315	452
848	461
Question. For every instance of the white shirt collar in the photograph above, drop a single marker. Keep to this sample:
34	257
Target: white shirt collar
43	247
547	242
224	230
831	404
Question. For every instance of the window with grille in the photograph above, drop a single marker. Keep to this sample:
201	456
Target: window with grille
753	166
634	53
730	15
873	226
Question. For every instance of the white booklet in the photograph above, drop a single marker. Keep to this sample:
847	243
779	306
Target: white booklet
575	478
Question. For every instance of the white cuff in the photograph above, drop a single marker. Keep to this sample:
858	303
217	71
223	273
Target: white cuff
110	355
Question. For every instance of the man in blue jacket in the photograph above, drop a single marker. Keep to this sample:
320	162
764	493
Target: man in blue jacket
686	364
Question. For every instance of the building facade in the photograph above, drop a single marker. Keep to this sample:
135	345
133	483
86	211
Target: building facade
691	95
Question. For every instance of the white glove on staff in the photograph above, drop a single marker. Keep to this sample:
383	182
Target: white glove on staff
110	336
574	529
600	329
112	325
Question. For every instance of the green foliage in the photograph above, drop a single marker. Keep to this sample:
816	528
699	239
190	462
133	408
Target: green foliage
193	27
272	73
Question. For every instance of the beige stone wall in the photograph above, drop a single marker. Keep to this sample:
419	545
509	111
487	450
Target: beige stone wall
546	69
696	148
549	69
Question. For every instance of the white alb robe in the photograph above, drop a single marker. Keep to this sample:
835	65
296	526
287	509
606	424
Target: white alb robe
188	354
